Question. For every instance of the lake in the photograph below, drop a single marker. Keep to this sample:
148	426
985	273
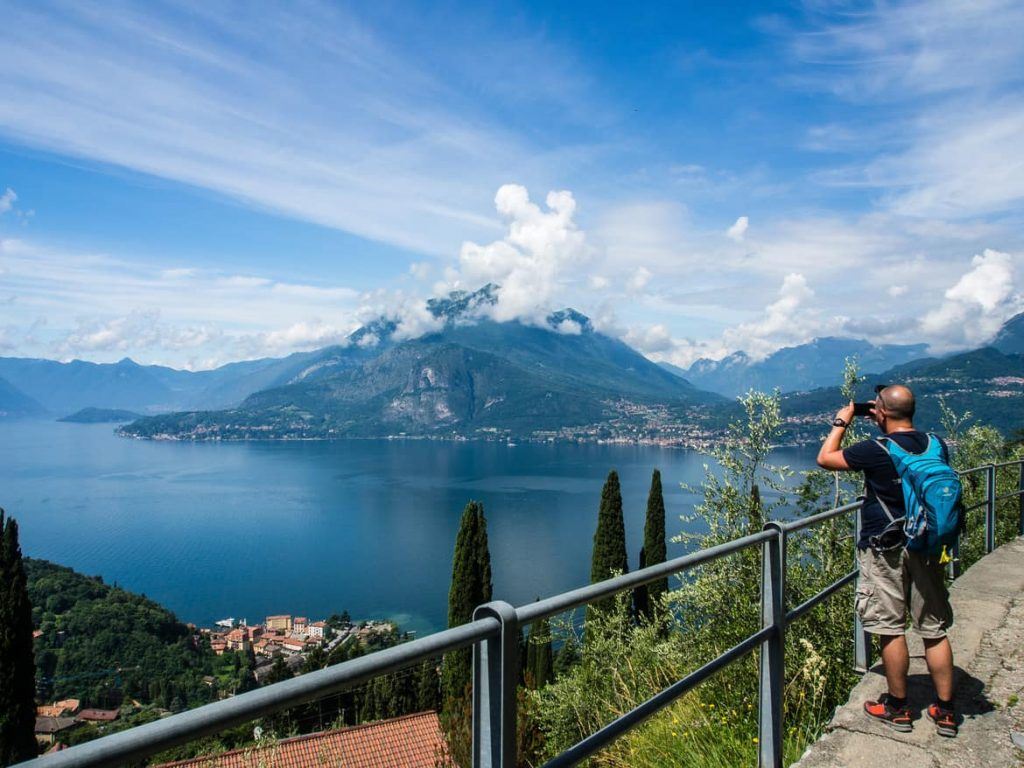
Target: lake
213	530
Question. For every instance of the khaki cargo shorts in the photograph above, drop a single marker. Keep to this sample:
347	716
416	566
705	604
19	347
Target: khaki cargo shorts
891	584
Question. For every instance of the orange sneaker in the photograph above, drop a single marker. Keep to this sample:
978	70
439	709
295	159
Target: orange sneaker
897	718
944	719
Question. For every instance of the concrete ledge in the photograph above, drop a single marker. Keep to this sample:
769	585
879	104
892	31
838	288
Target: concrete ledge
988	648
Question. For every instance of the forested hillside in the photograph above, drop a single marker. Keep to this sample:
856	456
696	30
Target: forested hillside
100	643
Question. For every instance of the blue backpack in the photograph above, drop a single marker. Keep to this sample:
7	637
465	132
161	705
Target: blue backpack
932	497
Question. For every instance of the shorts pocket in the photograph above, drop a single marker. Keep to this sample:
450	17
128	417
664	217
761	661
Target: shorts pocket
865	605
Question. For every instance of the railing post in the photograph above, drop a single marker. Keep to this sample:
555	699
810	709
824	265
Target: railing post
1020	497
990	508
495	674
861	639
773	614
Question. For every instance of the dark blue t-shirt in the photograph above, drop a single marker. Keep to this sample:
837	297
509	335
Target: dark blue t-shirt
881	479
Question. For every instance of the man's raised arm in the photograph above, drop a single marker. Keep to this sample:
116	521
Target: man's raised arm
831	454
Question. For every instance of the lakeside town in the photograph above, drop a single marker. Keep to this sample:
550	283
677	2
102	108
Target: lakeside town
281	638
289	637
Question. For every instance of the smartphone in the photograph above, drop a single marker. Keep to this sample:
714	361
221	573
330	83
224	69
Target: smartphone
863	409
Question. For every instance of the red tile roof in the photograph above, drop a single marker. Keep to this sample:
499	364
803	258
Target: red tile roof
412	741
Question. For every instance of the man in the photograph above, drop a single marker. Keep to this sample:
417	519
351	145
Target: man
894	581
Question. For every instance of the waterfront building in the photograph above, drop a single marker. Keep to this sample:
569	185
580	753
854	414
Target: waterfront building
281	623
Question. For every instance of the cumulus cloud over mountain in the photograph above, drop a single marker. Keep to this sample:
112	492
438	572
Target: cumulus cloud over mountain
977	305
531	261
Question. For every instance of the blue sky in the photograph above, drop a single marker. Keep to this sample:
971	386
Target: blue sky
197	183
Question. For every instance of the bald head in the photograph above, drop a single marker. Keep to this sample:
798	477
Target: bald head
898	402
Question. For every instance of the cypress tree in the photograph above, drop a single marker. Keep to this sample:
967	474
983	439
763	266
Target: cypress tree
471	586
609	554
17	661
567	657
647	596
427	687
539	663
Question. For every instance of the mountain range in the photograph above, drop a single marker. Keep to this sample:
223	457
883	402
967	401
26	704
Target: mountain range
792	369
474	377
16	404
984	382
478	377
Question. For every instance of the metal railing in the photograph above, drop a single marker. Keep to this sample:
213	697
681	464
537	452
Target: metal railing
494	636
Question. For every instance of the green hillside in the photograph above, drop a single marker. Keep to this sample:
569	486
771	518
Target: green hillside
985	382
100	642
100	416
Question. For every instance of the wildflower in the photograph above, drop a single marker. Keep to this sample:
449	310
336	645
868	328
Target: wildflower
755	740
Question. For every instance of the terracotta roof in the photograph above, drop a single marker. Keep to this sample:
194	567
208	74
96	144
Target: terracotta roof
99	715
412	741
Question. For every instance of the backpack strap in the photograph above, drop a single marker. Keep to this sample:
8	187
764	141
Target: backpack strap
936	448
885	508
882	504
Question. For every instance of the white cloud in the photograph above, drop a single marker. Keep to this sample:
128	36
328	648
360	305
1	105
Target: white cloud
421	270
638	280
174	315
792	318
538	252
976	305
399	148
787	320
653	339
309	334
139	329
413	317
896	290
938	107
7	200
569	327
739	229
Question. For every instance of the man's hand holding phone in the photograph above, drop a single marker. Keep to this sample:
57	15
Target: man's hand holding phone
864	409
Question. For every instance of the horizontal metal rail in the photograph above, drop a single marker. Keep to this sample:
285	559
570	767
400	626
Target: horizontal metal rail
1001	464
145	740
602	738
542	609
979	505
806	522
1010	495
493	637
972	470
821	596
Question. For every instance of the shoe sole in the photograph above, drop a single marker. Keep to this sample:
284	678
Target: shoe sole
943	730
949	733
898	727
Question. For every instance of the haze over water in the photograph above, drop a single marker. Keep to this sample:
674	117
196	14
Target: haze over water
212	530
